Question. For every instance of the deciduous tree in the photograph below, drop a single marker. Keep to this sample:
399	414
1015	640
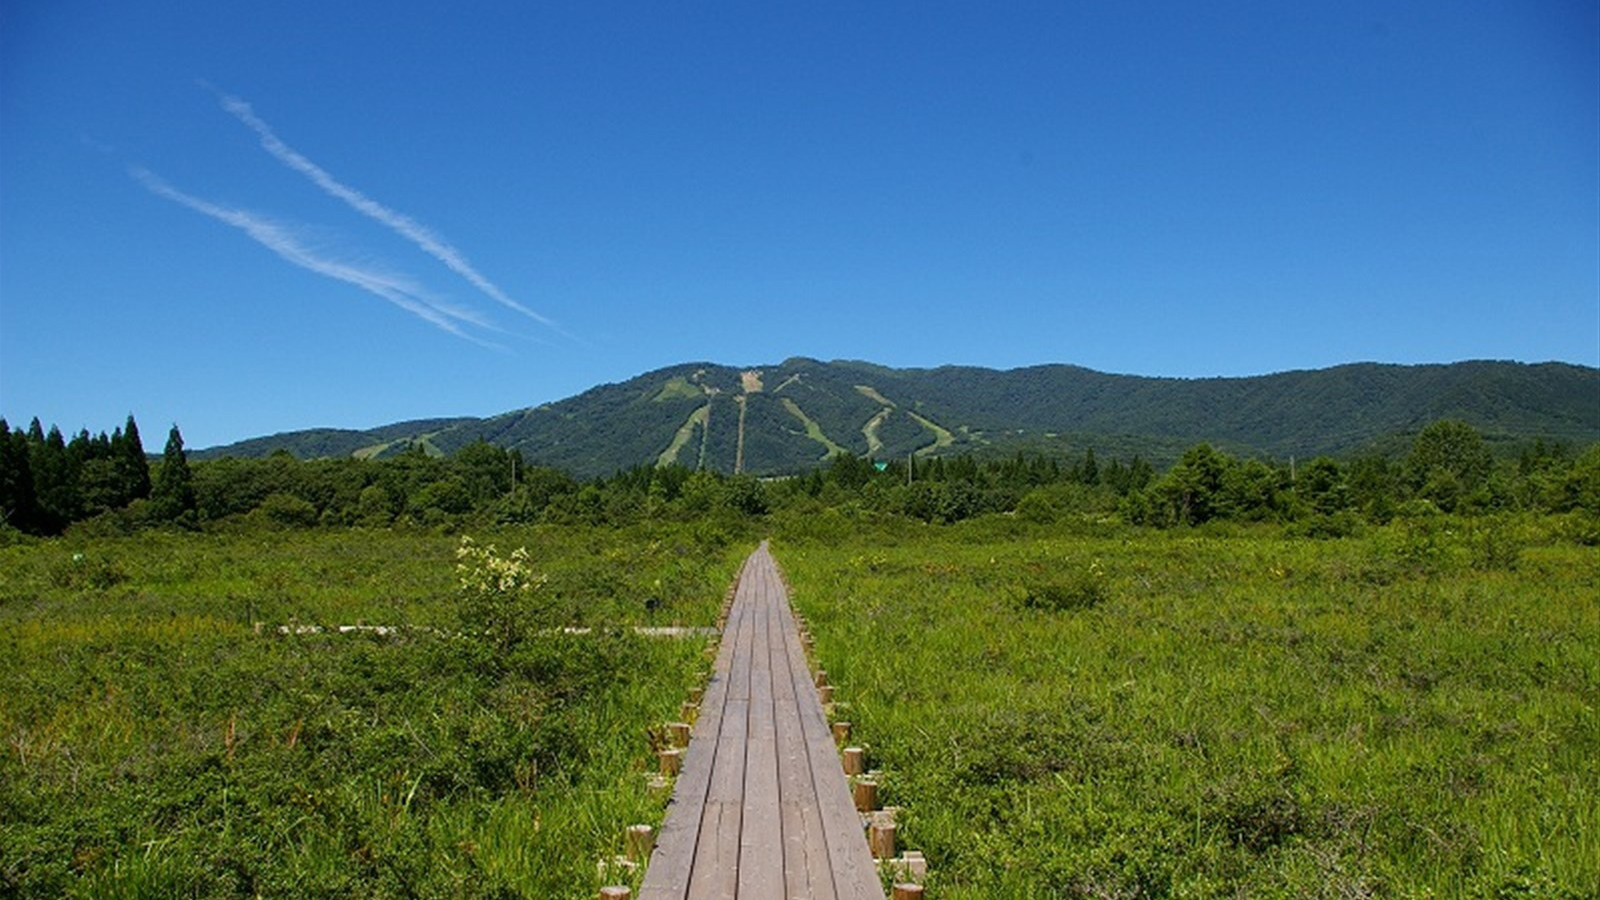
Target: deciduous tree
1448	463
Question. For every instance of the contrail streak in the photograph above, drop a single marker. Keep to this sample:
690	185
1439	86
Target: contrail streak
281	241
398	222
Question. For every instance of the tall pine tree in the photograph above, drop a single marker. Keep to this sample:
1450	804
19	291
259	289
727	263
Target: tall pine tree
16	480
173	493
99	484
132	466
55	480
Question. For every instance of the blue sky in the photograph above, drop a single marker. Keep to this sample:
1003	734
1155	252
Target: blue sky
255	217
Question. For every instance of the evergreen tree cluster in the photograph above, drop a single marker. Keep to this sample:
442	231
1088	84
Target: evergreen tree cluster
48	482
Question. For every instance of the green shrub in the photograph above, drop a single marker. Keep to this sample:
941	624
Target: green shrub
1343	523
1581	527
286	511
1495	545
1079	590
502	599
10	536
1422	533
81	571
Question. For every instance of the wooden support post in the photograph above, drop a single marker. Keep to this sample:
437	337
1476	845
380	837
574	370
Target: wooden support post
822	677
866	795
617	892
689	712
679	731
855	761
825	694
907	892
660	787
841	733
696	695
641	839
671	761
880	838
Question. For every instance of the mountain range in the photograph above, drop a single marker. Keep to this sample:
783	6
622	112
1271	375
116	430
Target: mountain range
788	417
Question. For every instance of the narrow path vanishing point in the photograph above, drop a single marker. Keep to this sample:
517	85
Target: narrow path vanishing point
762	810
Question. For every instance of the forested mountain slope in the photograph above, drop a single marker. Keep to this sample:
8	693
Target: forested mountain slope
786	417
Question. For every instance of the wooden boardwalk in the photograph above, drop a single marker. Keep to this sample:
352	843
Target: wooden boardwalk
762	810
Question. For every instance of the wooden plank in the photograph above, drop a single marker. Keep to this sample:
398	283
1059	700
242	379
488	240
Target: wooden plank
667	877
761	837
807	875
762	809
716	864
716	860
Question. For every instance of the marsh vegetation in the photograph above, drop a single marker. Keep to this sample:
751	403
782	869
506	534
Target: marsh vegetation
1369	677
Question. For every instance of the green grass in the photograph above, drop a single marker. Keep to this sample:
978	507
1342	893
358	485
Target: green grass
1119	713
1081	710
157	746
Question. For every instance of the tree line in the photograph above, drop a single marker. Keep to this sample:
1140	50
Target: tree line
48	483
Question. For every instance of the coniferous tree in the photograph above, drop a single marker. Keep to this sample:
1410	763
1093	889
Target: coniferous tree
99	487
173	493
16	480
55	480
81	447
1089	472
131	463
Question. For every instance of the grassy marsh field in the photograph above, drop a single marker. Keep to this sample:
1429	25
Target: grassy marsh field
1223	713
1081	709
157	746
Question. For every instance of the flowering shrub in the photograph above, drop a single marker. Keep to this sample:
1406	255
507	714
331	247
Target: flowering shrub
503	599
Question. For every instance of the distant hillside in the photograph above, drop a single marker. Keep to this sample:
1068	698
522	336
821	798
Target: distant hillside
316	443
786	417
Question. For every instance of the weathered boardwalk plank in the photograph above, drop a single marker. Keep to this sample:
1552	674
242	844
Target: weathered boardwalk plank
762	810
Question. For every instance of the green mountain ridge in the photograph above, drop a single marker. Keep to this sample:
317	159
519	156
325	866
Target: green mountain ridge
790	416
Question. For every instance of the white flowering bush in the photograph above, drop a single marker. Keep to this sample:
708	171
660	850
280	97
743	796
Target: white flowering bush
502	598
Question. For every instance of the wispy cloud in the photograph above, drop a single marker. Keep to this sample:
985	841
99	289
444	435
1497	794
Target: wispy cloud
405	226
282	240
